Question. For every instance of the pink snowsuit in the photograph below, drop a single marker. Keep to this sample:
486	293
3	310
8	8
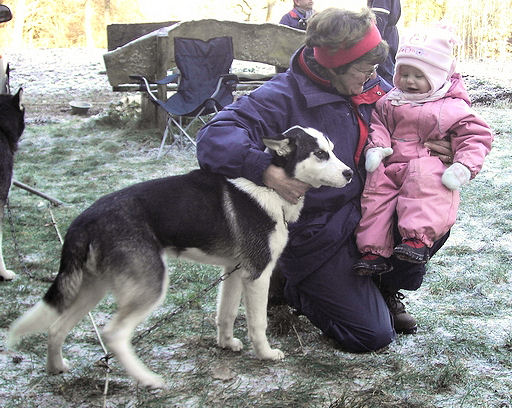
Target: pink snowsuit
409	181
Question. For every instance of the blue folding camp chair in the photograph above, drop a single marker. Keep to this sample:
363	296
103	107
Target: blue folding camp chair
205	85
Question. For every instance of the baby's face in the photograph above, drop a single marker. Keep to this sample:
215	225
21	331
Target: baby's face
412	80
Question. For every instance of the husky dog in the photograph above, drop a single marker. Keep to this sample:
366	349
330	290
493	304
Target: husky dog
118	245
12	123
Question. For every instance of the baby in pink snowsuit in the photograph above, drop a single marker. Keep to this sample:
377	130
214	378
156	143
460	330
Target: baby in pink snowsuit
429	102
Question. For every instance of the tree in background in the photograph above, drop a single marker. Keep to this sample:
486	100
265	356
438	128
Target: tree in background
484	26
63	23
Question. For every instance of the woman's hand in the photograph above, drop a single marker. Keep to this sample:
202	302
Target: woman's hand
290	189
441	149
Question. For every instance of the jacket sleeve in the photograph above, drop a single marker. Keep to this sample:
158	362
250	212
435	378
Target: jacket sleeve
379	128
387	13
470	135
231	144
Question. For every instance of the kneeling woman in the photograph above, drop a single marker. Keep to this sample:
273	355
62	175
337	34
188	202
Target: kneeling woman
332	86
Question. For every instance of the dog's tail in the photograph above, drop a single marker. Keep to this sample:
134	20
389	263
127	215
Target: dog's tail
36	320
59	296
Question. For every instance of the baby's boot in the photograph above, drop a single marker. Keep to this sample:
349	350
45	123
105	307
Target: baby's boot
372	264
412	250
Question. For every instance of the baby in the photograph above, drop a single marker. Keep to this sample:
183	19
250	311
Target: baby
405	183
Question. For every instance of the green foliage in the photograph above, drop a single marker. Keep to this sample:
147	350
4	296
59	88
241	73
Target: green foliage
124	113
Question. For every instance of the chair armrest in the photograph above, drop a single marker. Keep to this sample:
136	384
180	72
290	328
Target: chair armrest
248	77
168	79
227	80
144	86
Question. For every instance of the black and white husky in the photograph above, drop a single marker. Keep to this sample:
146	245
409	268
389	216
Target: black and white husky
12	123
118	245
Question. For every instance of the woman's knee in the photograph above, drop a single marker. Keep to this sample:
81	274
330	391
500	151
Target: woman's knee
360	340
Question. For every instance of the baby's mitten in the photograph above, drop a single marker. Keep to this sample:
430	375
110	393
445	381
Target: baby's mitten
456	176
375	155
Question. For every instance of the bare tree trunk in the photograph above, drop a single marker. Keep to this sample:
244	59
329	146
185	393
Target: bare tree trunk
89	38
269	7
19	23
106	6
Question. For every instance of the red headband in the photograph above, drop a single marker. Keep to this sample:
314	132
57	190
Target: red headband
325	57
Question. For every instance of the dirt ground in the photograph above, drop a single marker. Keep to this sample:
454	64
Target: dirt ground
51	78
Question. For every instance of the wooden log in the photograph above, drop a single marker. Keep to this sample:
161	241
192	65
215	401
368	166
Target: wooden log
268	43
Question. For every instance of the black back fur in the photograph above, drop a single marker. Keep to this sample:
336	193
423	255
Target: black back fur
12	124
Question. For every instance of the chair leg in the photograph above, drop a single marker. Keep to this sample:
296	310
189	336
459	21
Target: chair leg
183	129
164	138
184	132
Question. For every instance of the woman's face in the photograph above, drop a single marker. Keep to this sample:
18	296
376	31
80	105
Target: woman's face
352	81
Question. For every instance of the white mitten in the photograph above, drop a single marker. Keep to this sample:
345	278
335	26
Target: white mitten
375	155
456	176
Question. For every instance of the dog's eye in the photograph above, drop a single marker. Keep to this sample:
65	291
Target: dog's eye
322	155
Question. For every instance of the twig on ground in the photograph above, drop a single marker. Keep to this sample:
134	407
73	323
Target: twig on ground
32	190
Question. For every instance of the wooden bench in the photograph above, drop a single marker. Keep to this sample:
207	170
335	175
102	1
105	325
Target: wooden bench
119	34
151	54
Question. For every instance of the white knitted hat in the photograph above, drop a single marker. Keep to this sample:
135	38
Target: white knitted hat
431	51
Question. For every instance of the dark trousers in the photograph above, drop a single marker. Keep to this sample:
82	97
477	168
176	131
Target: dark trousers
350	308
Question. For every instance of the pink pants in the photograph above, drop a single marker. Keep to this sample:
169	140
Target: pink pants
425	208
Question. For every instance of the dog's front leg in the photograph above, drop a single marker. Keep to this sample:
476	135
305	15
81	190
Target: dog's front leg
230	293
256	297
5	273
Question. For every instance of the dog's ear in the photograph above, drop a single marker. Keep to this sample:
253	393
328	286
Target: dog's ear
281	147
294	132
17	98
286	144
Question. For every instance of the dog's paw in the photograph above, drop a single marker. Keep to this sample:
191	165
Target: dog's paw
233	344
7	275
59	367
152	381
271	354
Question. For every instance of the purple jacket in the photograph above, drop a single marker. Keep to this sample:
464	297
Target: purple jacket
292	19
405	128
231	144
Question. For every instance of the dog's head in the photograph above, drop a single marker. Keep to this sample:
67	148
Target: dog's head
12	117
307	155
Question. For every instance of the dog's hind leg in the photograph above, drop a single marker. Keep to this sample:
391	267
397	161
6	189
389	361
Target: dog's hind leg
256	297
136	299
228	301
88	296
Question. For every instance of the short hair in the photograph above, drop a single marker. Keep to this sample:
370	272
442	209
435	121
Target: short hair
338	28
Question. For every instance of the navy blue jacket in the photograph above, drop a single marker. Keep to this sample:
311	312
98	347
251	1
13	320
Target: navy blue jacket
231	144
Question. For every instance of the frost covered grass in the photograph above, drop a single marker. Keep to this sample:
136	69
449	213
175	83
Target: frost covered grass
460	357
